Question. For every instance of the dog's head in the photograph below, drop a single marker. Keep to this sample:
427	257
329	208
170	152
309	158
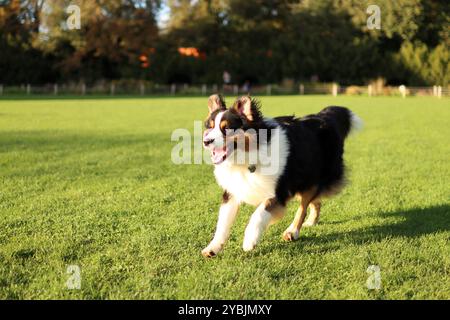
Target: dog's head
225	126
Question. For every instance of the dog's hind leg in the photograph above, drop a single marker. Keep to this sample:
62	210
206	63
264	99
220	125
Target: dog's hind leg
227	216
314	214
293	231
266	213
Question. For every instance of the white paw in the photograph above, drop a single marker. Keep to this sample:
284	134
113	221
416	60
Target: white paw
251	238
309	223
258	223
248	245
291	234
212	250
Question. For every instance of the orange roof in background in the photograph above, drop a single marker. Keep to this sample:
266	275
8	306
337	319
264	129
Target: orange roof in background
189	51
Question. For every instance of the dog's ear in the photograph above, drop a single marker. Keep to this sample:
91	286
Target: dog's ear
248	107
216	102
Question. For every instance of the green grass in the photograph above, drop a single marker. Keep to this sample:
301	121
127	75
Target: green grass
90	183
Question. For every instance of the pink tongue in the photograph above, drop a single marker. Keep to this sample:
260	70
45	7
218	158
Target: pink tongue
218	154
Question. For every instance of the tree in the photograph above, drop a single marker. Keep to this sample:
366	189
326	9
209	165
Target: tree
261	41
19	24
114	35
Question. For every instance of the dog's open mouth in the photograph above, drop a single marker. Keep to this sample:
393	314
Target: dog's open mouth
218	155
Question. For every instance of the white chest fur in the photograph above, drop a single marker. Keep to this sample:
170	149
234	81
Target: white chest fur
254	187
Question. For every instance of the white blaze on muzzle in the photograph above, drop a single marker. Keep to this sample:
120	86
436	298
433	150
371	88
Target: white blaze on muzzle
214	140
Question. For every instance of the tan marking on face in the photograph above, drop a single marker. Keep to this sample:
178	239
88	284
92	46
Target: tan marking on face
223	125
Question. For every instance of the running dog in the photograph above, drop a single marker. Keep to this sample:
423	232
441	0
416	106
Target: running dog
307	164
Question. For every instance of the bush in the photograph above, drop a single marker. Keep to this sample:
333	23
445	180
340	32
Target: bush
423	65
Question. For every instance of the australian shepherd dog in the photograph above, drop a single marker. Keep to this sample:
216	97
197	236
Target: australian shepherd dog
266	162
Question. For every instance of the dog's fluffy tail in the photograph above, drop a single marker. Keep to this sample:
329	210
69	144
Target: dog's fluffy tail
343	119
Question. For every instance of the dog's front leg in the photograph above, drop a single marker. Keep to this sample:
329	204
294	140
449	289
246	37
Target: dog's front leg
266	212
227	216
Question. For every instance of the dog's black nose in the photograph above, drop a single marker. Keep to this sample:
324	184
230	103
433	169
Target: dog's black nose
207	142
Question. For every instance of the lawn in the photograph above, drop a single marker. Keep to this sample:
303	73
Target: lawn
90	183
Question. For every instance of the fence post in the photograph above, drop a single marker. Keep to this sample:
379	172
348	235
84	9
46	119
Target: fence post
434	91
173	88
28	89
269	90
83	89
235	89
334	89
439	92
204	89
215	88
142	88
55	89
370	90
1	89
302	89
112	89
402	90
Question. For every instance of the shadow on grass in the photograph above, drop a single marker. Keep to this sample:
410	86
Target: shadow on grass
411	223
48	140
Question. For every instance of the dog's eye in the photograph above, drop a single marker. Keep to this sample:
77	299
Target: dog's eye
209	124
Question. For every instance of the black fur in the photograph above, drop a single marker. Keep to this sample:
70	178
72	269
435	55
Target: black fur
235	121
316	146
316	150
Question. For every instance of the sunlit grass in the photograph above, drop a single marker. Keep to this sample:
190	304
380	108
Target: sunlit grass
91	183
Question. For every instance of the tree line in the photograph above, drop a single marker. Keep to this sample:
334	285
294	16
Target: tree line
255	41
